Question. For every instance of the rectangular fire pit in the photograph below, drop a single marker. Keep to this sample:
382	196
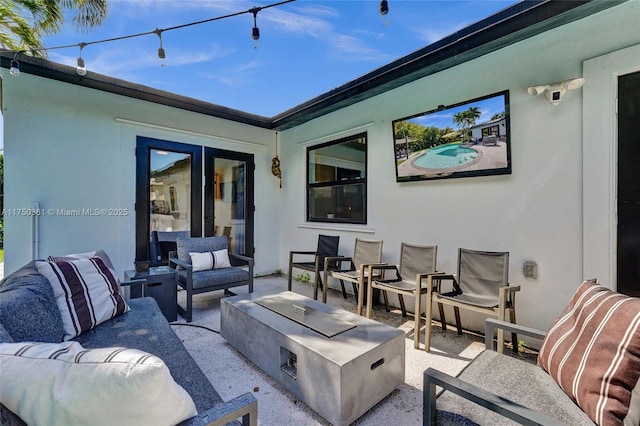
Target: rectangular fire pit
340	364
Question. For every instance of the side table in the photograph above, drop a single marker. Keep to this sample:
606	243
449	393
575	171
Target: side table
160	283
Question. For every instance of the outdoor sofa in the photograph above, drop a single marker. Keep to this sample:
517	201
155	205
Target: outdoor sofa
29	313
587	373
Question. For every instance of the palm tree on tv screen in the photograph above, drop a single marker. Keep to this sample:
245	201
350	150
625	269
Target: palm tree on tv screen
23	23
466	119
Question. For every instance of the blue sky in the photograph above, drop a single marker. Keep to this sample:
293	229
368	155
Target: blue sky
442	119
306	47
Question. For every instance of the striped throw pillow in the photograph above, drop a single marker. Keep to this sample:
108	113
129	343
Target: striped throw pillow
210	260
87	293
66	384
593	352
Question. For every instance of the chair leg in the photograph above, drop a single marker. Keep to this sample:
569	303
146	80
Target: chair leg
189	306
386	300
344	291
443	320
318	283
355	290
360	297
369	298
456	310
427	326
416	327
290	273
402	307
514	336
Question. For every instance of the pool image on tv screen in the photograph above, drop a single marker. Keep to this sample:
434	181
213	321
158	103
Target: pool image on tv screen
462	140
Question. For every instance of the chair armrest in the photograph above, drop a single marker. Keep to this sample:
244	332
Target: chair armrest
178	262
512	288
473	393
302	252
492	323
245	406
246	260
328	260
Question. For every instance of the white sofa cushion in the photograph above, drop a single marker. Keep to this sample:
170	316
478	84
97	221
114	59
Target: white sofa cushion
65	384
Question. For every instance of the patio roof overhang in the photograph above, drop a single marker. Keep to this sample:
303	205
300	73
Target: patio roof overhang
511	25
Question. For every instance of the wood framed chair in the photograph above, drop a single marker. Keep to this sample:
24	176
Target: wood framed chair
365	253
417	262
327	247
481	285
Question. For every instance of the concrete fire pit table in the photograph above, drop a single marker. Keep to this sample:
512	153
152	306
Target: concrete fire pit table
340	364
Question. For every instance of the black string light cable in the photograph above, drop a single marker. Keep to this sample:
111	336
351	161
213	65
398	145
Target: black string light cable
255	34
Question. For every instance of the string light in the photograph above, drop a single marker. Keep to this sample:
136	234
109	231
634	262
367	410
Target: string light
161	53
255	31
384	10
384	7
15	66
81	69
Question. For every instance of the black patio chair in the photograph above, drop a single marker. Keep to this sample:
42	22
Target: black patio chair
327	247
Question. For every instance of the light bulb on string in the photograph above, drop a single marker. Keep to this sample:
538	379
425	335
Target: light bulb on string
161	53
80	68
255	31
384	10
15	68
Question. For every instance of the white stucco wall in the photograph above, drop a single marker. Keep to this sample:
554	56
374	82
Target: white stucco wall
69	147
536	213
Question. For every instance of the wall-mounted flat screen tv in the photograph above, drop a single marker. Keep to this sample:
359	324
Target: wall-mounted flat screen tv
471	138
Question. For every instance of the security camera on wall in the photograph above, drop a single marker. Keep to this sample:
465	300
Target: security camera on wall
555	92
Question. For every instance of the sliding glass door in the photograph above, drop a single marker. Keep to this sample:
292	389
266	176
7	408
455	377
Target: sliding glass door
229	204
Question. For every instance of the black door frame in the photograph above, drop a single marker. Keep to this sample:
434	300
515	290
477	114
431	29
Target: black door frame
144	146
628	196
210	154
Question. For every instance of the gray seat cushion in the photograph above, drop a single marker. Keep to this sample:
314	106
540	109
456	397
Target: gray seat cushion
28	309
216	277
514	379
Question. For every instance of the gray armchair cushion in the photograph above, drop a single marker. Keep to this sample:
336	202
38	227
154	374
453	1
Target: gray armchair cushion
28	309
5	337
219	277
199	245
514	379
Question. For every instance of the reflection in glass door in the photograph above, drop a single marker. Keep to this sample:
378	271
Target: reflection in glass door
229	198
169	191
168	196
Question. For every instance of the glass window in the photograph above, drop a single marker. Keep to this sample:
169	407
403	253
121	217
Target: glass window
336	181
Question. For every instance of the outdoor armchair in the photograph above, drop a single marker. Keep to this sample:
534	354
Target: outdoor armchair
481	285
365	253
237	272
417	262
327	247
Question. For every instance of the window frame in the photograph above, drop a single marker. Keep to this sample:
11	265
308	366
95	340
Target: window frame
337	183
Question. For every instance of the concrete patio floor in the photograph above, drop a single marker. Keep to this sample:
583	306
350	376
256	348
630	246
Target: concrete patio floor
232	374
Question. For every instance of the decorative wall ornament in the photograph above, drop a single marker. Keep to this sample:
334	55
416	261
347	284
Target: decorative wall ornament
275	164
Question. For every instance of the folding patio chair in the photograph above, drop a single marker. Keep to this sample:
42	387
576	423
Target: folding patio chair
417	262
365	253
481	285
327	246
